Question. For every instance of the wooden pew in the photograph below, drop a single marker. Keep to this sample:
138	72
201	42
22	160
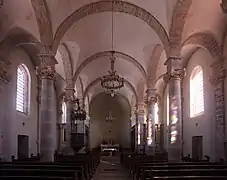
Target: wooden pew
186	171
184	165
70	169
191	177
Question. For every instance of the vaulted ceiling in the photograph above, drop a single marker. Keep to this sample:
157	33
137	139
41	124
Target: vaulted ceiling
79	32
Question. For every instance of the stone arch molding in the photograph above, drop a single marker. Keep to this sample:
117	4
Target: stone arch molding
43	20
124	56
177	26
105	6
66	61
205	40
97	80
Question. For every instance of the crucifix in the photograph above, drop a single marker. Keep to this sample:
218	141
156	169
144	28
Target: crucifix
110	118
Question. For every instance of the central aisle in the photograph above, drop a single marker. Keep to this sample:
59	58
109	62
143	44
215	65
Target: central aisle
110	168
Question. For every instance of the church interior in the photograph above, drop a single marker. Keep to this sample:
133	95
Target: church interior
154	107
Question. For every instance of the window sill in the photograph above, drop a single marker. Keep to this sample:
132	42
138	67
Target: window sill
197	115
22	113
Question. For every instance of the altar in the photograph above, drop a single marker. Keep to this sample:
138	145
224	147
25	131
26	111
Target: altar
110	147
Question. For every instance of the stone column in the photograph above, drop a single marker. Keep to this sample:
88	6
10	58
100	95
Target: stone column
217	79
47	106
173	78
3	83
141	130
69	100
150	101
134	111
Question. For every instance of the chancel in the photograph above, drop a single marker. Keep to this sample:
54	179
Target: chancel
110	118
113	89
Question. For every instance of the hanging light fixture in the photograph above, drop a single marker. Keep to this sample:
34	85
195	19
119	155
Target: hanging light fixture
112	82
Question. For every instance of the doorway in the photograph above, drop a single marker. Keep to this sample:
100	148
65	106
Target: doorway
197	147
22	146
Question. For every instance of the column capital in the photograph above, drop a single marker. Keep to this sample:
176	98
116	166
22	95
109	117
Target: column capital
47	72
224	6
173	61
140	110
151	97
218	72
176	73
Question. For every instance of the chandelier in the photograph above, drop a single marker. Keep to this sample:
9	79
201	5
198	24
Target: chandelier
78	112
112	82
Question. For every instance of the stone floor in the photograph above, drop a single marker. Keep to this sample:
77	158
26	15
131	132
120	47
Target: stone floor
111	169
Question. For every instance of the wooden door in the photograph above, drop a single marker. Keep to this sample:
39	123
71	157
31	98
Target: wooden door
23	146
197	147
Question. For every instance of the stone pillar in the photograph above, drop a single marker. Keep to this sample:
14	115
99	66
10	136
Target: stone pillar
69	100
3	83
134	116
47	106
150	101
217	79
141	130
173	78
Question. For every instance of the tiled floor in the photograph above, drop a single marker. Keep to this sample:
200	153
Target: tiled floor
110	169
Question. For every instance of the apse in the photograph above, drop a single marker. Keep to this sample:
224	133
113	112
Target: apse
109	120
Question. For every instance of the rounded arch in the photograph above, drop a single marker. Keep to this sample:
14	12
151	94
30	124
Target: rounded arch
177	26
140	90
97	80
109	53
104	6
43	20
205	40
128	103
195	71
153	64
66	61
18	37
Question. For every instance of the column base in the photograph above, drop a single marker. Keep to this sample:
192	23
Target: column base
150	150
174	155
67	151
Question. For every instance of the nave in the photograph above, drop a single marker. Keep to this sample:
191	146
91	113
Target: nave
84	80
110	168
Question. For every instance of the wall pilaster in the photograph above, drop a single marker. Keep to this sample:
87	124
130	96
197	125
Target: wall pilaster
217	80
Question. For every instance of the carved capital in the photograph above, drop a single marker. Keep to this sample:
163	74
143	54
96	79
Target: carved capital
151	97
224	6
140	109
218	73
151	100
48	72
176	73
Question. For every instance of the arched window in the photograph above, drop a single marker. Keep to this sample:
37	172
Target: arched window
23	89
167	109
64	109
196	92
156	114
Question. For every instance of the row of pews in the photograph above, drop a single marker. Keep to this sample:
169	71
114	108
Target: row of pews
77	167
144	167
